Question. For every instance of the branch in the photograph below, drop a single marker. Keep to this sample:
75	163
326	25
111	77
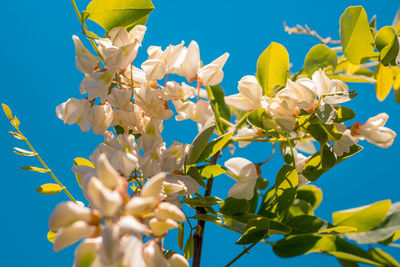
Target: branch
298	29
199	234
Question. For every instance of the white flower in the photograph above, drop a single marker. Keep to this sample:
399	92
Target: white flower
245	173
174	91
87	250
75	111
161	227
374	132
300	161
324	86
212	73
245	132
67	213
177	260
122	47
250	94
101	118
70	234
120	98
301	92
153	256
107	201
284	111
343	145
153	187
97	84
154	107
85	61
199	112
167	210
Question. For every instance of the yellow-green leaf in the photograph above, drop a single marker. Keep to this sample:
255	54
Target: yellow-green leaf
17	135
338	230
51	236
114	13
34	169
319	57
15	122
7	111
355	35
363	218
24	152
388	45
272	68
384	81
83	162
188	250
382	257
352	78
49	189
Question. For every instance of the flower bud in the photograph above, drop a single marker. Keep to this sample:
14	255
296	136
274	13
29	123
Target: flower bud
73	233
160	228
178	260
167	210
67	213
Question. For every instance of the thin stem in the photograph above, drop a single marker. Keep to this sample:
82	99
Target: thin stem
271	140
78	14
199	234
47	168
270	157
241	254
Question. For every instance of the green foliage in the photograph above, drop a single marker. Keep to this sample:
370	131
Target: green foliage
363	218
319	57
208	171
221	110
49	189
344	114
214	146
206	201
387	43
35	169
355	35
272	68
188	250
125	13
255	231
199	144
384	81
232	206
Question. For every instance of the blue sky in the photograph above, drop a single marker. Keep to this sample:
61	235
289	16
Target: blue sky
38	71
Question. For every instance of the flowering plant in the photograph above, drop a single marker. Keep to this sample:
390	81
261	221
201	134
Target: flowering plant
137	189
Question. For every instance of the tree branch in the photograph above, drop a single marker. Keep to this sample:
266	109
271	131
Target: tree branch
199	234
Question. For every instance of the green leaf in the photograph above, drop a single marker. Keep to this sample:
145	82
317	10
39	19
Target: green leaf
328	157
340	97
387	43
319	57
383	231
49	189
7	111
352	78
285	184
295	245
338	230
384	81
83	162
311	194
51	236
199	144
17	135
344	114
326	113
202	201
208	171
188	251
35	169
232	206
195	174
181	235
272	68
261	120
24	152
214	146
255	231
207	217
355	35
307	224
363	218
382	257
125	13
221	110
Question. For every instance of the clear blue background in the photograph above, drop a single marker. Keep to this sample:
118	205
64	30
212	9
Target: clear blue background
38	72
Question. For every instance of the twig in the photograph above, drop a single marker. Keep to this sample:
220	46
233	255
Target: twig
298	29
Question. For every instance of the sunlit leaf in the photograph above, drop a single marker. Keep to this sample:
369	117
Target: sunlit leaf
208	171
352	78
51	236
272	68
24	152
83	162
344	114
199	144
363	218
188	250
17	135
255	230
311	194
319	57
384	81
387	43
355	35
338	230
7	111
181	234
35	169
125	13
49	189
232	206
382	257
214	146
207	217
202	201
